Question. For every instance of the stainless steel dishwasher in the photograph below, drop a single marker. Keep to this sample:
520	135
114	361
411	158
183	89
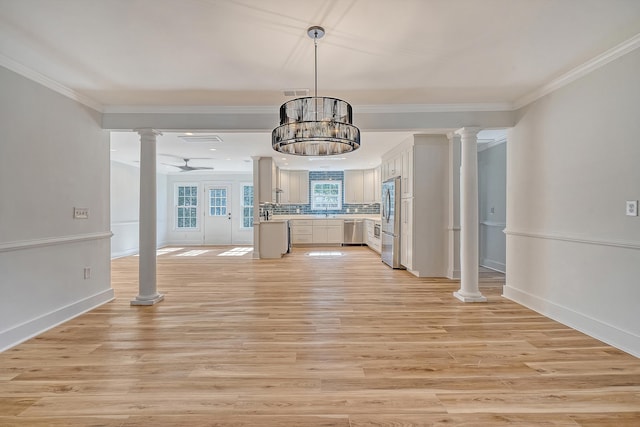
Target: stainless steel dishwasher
353	232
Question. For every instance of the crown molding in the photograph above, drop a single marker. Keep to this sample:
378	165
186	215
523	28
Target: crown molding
191	109
580	71
273	109
47	82
432	108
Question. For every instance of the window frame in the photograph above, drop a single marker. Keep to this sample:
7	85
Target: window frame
339	201
243	207
177	206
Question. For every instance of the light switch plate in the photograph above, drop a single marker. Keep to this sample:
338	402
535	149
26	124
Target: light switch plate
632	208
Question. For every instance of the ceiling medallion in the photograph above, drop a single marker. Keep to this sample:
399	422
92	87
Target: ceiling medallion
315	126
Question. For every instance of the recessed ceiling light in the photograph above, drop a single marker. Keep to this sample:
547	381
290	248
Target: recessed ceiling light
112	150
212	149
228	159
188	133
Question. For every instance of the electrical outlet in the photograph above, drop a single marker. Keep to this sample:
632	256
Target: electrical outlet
80	213
632	208
87	273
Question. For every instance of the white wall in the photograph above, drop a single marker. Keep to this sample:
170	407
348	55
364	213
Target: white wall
572	254
54	156
196	237
492	201
125	209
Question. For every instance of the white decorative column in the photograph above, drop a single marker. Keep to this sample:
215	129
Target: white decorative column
147	293
453	231
256	206
469	290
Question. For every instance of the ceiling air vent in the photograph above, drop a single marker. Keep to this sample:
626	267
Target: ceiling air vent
296	92
200	138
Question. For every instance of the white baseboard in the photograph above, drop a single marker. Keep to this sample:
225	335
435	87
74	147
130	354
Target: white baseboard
453	274
20	333
623	340
493	265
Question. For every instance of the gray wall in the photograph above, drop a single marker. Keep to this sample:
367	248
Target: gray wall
492	200
54	156
572	254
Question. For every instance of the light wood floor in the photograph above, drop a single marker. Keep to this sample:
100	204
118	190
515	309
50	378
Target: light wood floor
309	341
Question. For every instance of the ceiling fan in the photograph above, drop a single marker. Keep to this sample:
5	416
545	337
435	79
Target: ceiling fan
187	168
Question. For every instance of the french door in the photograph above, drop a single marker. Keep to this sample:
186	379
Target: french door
217	218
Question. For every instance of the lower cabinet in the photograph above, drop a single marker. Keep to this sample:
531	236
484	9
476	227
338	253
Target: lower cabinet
301	231
317	231
328	231
372	241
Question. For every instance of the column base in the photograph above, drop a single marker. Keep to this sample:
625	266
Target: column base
147	300
470	298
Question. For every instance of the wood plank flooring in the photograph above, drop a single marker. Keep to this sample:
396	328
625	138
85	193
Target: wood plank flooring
322	337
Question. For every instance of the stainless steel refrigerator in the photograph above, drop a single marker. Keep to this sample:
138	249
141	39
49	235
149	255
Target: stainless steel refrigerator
391	222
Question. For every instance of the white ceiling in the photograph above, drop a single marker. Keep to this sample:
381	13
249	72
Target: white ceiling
245	52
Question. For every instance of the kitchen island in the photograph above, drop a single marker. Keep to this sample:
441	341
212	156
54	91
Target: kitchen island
274	238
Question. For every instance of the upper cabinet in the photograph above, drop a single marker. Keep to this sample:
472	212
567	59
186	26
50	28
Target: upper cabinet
362	186
407	172
268	175
353	186
392	167
295	187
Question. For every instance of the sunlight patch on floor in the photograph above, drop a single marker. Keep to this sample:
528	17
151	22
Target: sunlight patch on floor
325	253
194	252
237	251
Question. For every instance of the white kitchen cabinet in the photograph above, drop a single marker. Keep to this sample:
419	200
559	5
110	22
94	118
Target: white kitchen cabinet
284	186
392	166
406	233
328	231
295	187
425	203
362	186
372	241
301	231
369	186
407	172
353	186
377	182
268	176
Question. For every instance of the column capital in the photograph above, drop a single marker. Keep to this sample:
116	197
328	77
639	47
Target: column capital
453	136
468	131
148	132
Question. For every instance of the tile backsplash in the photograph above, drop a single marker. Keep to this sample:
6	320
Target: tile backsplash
305	209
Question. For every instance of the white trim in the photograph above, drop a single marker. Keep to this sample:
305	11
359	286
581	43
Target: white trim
624	340
199	210
191	109
493	224
27	330
574	239
128	222
580	71
431	108
493	265
50	241
482	146
47	82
